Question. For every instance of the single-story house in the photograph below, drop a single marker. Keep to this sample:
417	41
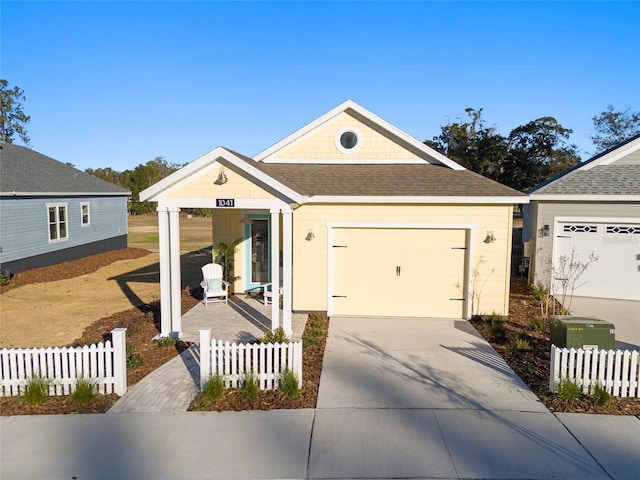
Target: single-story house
51	212
351	216
593	208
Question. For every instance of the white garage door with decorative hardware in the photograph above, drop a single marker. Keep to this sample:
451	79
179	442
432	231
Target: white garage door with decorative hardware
398	272
616	273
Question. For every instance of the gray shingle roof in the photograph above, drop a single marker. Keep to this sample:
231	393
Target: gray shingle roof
384	180
600	180
25	171
410	180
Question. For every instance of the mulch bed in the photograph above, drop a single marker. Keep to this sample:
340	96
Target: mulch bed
314	341
533	366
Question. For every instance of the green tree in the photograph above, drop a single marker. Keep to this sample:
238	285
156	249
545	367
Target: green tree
613	127
538	151
12	119
529	155
136	180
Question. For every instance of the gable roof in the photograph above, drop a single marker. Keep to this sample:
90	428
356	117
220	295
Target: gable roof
362	114
600	177
25	172
436	180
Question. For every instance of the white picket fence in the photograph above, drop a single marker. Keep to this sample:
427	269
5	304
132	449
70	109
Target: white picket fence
616	370
104	364
232	361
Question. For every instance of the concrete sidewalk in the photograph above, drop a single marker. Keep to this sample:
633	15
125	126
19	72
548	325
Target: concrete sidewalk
314	444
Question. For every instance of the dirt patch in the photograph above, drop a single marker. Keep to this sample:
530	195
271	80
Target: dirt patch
51	306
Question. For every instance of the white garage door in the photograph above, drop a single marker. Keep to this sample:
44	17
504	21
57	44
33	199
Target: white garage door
398	272
616	273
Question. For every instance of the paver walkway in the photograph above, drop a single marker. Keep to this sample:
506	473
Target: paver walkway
170	388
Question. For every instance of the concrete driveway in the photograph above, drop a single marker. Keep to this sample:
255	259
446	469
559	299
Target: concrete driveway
624	314
429	398
417	363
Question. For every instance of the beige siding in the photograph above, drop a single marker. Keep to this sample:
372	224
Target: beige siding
203	186
226	229
547	211
492	260
321	143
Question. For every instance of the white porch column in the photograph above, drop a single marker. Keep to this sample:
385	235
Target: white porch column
165	272
275	268
176	286
287	233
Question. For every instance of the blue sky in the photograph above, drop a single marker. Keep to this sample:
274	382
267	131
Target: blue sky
115	84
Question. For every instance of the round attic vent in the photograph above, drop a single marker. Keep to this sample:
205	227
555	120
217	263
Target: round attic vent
348	140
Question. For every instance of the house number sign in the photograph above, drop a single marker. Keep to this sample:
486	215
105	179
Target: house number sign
225	202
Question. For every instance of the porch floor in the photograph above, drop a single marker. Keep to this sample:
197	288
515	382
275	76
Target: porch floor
245	319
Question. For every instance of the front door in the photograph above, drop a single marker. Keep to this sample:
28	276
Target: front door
258	249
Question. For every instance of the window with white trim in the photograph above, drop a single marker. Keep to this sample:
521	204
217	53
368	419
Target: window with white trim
85	214
58	223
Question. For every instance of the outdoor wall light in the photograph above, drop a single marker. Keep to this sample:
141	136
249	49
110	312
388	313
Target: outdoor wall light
246	220
310	236
490	238
544	231
222	178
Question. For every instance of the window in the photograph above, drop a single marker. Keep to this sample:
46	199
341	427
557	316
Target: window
348	140
84	211
58	224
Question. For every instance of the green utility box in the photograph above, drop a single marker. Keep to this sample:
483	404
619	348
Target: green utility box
582	332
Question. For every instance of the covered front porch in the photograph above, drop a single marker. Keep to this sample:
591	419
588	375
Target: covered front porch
244	320
240	195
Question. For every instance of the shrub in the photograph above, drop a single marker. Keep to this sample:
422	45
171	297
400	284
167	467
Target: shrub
166	342
36	390
250	387
276	336
497	331
493	318
289	384
3	280
314	330
519	345
133	359
538	324
600	395
568	390
213	388
84	391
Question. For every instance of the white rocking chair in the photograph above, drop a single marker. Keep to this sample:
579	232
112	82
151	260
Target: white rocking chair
213	285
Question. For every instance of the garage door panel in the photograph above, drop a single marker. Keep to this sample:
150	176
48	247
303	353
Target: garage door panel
616	272
398	272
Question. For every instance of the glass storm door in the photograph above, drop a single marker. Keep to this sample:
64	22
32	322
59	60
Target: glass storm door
257	232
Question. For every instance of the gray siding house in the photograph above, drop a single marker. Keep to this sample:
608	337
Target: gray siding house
51	212
593	208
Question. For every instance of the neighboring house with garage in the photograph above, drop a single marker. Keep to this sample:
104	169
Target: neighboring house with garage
351	216
51	212
591	208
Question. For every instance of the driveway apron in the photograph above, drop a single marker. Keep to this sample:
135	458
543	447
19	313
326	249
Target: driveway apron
417	363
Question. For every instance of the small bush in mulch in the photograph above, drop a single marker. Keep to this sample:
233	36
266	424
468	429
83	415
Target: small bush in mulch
314	340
